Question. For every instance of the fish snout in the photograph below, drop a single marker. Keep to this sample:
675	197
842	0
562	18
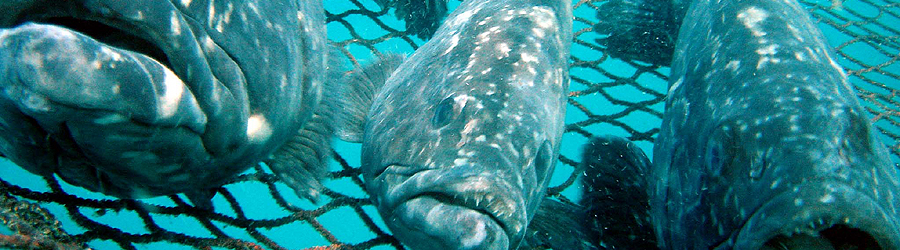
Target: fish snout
451	209
820	215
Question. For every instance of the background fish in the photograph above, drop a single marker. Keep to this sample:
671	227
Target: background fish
763	142
643	30
460	141
422	17
143	98
616	202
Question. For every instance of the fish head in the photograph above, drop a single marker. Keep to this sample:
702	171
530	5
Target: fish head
810	175
459	145
146	98
473	174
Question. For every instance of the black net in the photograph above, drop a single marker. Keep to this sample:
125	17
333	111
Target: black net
257	211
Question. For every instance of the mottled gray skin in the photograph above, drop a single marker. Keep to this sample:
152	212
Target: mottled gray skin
764	139
462	138
230	82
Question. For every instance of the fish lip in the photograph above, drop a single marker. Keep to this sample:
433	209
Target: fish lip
183	51
493	198
129	27
845	206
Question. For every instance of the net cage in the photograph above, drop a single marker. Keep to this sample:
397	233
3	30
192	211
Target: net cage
257	211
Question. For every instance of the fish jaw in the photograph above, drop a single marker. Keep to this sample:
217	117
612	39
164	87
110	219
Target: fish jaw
171	113
455	208
814	209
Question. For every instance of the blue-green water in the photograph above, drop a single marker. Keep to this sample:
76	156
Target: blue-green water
343	222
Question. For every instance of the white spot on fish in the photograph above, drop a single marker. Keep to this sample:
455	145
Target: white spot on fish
765	60
483	38
225	18
539	33
173	90
828	198
211	11
34	102
751	17
479	235
461	101
769	50
529	58
799	56
454	40
676	85
504	50
175	24
107	52
544	17
470	126
208	43
258	129
463	17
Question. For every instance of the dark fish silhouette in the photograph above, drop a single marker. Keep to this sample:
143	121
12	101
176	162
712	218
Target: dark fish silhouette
615	198
422	17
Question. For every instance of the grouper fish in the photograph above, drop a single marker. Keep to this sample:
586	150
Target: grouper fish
764	144
143	98
422	17
459	142
615	201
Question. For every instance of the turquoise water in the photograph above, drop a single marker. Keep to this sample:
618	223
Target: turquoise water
344	223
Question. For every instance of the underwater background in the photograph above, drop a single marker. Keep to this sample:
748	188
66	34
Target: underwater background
608	96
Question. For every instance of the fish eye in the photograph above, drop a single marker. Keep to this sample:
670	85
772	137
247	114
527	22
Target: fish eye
542	160
443	113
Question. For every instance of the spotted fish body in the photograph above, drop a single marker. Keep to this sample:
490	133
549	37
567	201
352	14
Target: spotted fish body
167	97
460	141
764	143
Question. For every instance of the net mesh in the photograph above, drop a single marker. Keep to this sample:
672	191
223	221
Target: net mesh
257	211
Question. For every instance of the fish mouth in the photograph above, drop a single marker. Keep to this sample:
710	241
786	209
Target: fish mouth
455	210
126	49
105	29
106	32
824	215
139	73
